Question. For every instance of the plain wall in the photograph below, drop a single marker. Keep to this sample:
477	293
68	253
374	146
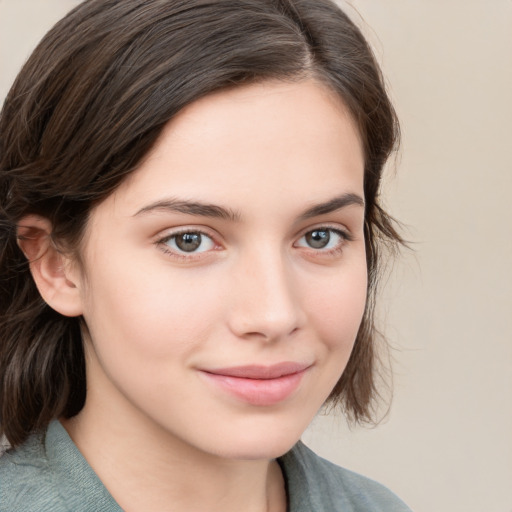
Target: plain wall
446	445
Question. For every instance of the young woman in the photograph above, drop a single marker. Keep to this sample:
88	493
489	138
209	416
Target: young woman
190	237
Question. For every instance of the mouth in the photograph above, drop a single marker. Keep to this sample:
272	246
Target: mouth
258	385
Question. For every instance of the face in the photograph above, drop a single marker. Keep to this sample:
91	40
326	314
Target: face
225	280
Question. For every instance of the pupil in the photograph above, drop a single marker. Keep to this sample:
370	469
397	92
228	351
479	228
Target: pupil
188	242
318	239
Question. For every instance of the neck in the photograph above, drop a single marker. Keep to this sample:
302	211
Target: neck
145	468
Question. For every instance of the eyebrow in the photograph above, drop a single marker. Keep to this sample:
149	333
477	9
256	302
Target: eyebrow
191	208
337	203
220	212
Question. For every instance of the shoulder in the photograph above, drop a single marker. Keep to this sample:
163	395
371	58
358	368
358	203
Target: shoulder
26	479
328	487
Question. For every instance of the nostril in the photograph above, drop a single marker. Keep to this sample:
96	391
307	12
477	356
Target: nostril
267	333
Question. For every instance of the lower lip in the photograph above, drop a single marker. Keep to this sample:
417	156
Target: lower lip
263	392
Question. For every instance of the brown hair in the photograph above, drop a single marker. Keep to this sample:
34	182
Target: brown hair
88	106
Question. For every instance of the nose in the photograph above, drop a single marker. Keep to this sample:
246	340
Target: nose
265	301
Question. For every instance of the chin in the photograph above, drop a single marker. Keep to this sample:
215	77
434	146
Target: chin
263	451
266	444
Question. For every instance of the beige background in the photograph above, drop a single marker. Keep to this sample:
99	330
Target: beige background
447	443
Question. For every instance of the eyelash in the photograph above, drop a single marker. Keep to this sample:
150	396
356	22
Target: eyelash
183	255
345	236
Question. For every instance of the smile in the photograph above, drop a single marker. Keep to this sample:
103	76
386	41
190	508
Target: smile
259	385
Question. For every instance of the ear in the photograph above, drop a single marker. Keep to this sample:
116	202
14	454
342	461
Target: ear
55	275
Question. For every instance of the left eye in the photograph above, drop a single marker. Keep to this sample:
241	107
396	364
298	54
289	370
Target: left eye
321	238
190	241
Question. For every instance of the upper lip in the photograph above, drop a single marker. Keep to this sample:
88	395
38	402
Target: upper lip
260	371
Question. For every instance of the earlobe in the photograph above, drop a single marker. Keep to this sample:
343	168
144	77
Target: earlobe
53	272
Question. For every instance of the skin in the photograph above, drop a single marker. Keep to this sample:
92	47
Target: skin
254	292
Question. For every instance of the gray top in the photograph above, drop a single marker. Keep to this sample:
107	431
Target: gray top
50	475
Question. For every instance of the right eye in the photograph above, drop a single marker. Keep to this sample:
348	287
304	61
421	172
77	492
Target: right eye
323	238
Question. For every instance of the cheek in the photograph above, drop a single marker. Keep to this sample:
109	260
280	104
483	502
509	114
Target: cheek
337	309
147	314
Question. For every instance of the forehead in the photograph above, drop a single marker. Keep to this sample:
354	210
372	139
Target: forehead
294	140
